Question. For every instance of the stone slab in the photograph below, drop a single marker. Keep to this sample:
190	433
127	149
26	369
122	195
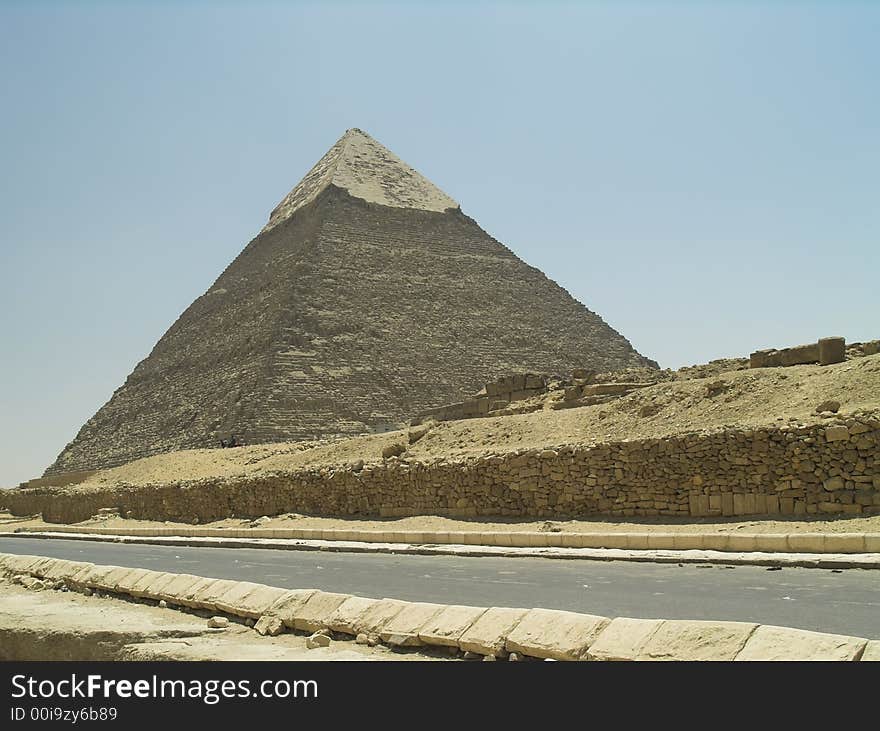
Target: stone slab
206	593
786	643
127	583
449	625
403	630
555	634
872	651
255	603
175	590
488	635
377	616
349	615
682	639
314	613
287	605
96	578
147	586
623	639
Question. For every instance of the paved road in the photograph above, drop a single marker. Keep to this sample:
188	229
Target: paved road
847	602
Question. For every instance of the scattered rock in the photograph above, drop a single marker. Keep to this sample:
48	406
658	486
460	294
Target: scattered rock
393	450
218	622
830	405
362	639
417	432
472	655
319	639
163	604
269	624
715	387
489	658
514	657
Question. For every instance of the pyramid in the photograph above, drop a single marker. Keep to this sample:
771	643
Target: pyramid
367	297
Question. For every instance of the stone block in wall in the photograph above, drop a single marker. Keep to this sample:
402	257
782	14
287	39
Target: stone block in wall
872	347
523	394
535	382
764	359
799	355
831	350
573	393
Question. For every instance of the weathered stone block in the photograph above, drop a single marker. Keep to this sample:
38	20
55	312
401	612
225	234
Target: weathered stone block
449	625
799	355
252	602
289	604
836	433
832	350
314	613
696	640
488	634
348	616
550	633
403	629
785	643
623	639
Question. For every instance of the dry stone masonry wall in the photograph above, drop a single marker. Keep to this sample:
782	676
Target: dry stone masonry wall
827	469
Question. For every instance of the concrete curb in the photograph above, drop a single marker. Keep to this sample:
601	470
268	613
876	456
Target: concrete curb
747	558
763	542
535	633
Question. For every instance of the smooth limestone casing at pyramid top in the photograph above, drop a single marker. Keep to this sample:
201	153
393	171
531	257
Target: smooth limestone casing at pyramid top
368	297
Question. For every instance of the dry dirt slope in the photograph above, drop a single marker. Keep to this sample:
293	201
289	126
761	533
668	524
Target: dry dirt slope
735	398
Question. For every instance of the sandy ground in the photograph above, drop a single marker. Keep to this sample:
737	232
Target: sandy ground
64	625
425	523
765	396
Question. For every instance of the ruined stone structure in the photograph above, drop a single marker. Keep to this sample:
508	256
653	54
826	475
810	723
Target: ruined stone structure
501	396
825	352
819	469
367	298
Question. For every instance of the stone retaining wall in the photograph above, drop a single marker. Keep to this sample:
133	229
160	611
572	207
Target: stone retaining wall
831	468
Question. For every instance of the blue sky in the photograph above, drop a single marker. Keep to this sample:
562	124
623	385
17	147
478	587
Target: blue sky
702	175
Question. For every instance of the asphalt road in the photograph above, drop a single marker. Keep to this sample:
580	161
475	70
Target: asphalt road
847	602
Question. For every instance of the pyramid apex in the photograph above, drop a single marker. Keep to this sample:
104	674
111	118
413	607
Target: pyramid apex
364	168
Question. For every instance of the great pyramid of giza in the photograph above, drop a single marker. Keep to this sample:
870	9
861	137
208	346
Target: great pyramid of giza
368	297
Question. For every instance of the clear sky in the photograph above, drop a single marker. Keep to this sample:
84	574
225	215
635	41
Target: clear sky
705	176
